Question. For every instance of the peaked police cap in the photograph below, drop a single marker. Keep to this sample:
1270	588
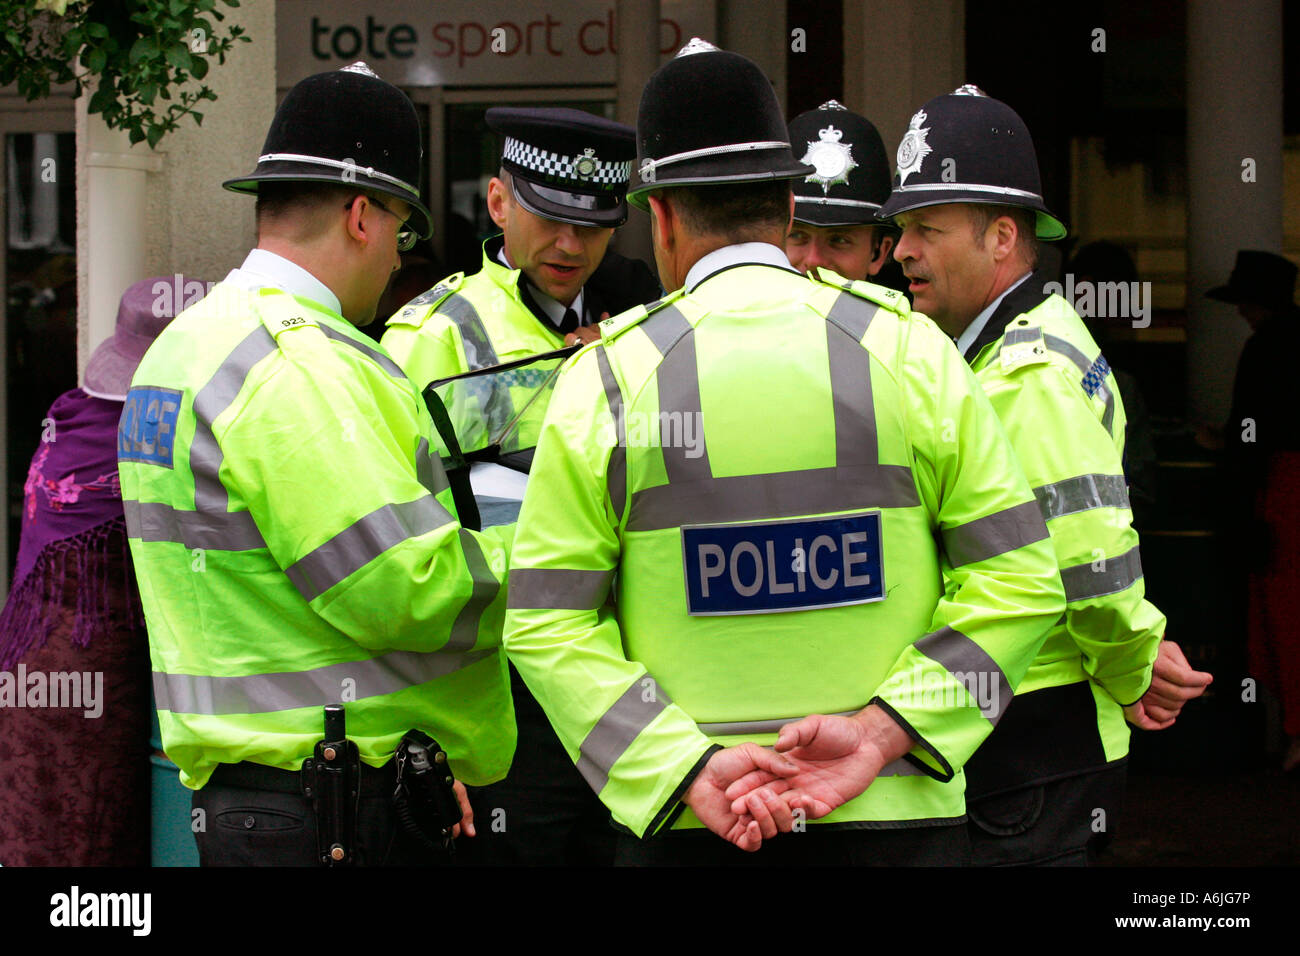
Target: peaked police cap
708	116
349	128
852	177
565	164
966	146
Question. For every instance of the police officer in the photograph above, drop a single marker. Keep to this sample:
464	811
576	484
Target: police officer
969	247
755	468
294	539
545	282
835	223
548	278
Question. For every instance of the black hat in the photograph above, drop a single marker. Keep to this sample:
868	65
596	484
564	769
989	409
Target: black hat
565	164
852	177
346	127
708	116
966	146
1259	278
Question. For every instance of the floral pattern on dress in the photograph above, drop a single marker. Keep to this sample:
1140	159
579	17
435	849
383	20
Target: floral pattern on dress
65	491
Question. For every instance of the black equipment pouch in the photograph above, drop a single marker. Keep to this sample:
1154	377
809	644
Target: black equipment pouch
425	799
331	780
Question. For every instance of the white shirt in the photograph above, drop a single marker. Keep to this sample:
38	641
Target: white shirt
967	338
261	269
553	308
742	253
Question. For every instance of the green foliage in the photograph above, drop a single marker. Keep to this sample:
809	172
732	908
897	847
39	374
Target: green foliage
139	51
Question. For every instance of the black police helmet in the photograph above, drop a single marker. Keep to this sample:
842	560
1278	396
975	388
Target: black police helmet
349	128
708	116
852	178
966	146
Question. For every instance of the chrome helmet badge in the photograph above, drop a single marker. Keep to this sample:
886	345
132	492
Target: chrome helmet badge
913	149
832	158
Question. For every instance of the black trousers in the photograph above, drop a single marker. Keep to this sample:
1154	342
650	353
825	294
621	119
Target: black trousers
256	816
543	812
1063	822
816	846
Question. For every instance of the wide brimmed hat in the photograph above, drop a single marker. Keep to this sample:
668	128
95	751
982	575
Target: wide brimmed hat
350	128
1259	278
707	117
852	175
145	309
565	164
966	146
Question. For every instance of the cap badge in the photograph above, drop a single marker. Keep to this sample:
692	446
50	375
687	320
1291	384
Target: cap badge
586	164
913	149
359	67
832	158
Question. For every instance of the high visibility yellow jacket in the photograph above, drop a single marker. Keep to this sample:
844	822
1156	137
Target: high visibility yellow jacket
757	472
1057	399
296	545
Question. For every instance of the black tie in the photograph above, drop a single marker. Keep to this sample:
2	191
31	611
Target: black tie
569	323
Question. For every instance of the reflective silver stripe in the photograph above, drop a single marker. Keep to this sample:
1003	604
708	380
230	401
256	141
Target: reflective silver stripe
339	164
210	495
1016	336
901	768
269	693
464	632
361	542
994	534
678	380
737	727
966	660
1060	345
1057	344
218	531
429	470
558	589
1081	494
850	368
852	314
473	335
382	360
665	327
1082	581
787	494
819	201
617	728
616	476
968	187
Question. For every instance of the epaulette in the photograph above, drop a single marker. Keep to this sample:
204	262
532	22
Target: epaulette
426	303
280	312
616	325
881	295
1022	345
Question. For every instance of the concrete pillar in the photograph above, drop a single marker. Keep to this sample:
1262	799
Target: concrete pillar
757	29
637	22
113	227
888	71
1234	123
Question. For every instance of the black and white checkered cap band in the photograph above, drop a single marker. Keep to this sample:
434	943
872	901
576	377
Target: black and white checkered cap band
603	173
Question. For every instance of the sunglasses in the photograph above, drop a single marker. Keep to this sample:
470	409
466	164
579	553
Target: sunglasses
405	237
